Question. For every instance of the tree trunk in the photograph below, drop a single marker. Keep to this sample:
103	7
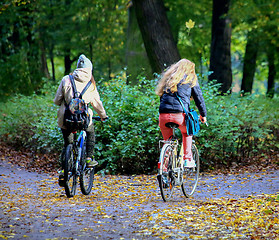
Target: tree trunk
220	55
44	67
52	61
249	66
156	33
271	72
34	64
67	62
136	57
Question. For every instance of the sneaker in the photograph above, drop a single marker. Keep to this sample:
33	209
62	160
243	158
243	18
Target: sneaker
90	163
61	181
189	163
165	181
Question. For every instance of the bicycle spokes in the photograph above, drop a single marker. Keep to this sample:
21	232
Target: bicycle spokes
173	173
165	177
191	175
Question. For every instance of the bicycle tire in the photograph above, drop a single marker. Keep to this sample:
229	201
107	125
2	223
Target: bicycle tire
191	175
70	176
165	177
87	175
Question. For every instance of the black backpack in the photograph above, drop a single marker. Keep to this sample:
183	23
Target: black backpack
76	116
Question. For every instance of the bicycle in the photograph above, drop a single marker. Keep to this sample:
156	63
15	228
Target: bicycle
171	169
74	165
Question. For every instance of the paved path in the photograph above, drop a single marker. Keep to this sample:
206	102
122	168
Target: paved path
33	206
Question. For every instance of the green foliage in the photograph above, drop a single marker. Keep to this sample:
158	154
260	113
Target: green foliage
239	127
195	44
33	32
29	122
129	140
21	68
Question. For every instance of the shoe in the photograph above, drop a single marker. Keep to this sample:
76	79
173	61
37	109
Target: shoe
165	181
189	163
61	181
90	163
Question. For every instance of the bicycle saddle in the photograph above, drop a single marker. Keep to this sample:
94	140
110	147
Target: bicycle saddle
171	125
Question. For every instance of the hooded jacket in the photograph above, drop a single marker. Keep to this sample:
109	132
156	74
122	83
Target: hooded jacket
64	94
169	103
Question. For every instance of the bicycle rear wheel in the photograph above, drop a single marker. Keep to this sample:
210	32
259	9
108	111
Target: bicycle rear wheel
165	177
87	175
70	176
191	175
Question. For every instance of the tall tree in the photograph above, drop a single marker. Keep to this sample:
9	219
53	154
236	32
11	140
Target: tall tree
249	65
220	54
156	33
260	20
271	71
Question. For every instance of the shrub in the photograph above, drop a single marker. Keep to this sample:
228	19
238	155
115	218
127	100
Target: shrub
239	127
129	140
28	121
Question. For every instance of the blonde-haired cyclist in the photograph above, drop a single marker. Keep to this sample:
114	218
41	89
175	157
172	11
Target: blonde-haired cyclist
181	79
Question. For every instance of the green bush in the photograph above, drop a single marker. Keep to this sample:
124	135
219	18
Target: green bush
129	139
29	122
239	127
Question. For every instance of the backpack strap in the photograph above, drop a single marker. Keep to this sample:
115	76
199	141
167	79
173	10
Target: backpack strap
84	90
179	99
75	88
73	85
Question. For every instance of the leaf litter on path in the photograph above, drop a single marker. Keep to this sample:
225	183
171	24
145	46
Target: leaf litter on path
242	206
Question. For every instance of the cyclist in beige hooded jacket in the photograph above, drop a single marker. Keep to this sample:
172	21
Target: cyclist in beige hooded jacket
82	75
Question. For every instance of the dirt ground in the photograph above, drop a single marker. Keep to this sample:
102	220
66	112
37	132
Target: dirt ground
33	206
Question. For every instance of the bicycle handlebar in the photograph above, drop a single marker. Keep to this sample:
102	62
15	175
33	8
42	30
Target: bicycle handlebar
99	119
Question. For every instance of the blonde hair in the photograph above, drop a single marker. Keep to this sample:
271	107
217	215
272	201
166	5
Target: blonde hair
174	74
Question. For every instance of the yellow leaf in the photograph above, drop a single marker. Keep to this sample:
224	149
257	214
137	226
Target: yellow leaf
190	24
98	209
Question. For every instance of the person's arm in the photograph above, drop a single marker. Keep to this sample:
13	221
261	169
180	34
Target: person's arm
59	95
98	105
199	101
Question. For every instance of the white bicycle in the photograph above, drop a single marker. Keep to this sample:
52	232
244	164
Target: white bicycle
171	169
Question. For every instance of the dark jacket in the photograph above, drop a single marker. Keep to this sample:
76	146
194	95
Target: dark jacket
169	103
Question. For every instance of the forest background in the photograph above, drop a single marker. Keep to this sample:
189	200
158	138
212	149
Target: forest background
234	45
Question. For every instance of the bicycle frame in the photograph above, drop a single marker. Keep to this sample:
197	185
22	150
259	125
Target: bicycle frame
78	144
75	165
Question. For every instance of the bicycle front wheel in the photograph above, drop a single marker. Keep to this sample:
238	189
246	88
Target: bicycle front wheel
86	180
191	175
87	175
70	176
165	177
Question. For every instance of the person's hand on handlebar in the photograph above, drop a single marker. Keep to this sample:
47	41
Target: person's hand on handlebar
203	119
104	119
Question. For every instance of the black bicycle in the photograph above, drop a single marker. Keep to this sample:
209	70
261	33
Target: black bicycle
74	165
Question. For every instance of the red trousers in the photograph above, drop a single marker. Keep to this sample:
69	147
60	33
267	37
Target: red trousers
178	118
